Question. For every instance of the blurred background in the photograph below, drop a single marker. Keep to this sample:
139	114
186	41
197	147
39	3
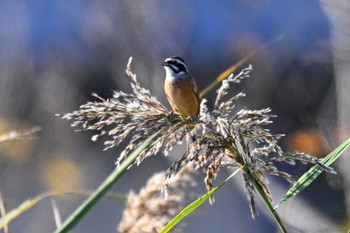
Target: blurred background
54	54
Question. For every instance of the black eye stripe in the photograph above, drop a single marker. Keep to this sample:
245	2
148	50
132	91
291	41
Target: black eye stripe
177	67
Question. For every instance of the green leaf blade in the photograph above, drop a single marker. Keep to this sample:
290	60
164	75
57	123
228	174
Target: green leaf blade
308	177
87	205
194	205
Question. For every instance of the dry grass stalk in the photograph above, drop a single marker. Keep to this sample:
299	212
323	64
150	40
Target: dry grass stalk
216	138
148	211
17	135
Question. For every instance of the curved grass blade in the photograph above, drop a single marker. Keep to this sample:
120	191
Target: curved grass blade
308	177
3	212
233	68
85	207
6	219
194	205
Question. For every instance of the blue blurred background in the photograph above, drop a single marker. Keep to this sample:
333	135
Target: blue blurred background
54	54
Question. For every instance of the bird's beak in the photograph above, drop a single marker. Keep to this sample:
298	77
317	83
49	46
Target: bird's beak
164	63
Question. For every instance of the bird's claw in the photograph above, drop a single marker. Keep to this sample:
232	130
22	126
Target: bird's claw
171	114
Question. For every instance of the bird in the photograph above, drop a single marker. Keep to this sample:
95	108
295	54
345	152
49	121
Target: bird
180	87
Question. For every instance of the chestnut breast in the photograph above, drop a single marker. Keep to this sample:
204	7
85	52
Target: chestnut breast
182	95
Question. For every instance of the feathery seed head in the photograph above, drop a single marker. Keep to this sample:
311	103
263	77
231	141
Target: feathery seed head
216	138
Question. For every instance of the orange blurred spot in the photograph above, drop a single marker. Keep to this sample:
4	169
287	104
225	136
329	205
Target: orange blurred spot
309	141
62	174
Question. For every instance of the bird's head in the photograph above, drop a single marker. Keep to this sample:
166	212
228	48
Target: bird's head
175	67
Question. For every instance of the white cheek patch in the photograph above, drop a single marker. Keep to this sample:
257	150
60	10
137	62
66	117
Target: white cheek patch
174	68
182	74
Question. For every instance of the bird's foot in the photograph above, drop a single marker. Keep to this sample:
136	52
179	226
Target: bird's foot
171	114
190	118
